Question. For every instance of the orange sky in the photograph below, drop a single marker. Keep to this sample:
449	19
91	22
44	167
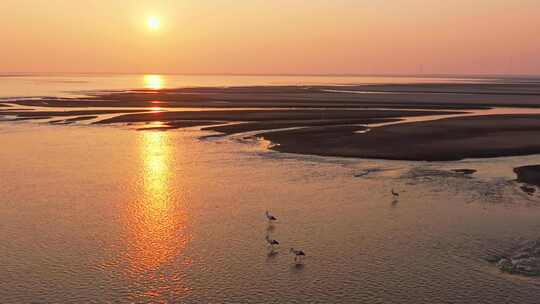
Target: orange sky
272	37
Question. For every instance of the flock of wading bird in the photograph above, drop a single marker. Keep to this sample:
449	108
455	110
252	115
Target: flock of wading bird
299	254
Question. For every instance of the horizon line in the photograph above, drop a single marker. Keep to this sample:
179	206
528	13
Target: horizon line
421	75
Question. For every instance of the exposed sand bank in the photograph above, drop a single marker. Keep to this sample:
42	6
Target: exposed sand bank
450	96
440	140
325	120
268	115
261	126
39	114
72	120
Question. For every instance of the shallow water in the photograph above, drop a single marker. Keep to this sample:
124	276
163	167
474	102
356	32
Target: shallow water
464	113
70	85
93	214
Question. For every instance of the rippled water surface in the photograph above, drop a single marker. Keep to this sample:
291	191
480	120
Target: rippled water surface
103	214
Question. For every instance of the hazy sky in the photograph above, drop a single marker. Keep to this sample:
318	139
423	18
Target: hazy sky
271	36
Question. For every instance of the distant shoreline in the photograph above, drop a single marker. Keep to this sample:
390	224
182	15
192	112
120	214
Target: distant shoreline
472	76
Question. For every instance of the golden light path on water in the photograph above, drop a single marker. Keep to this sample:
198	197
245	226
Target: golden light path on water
156	220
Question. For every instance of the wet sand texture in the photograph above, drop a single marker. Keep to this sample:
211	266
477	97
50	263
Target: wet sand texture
38	114
524	260
268	115
440	140
263	126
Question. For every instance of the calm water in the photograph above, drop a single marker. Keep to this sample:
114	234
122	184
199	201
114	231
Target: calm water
72	85
107	215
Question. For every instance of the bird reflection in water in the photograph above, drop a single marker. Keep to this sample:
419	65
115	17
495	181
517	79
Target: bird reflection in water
156	221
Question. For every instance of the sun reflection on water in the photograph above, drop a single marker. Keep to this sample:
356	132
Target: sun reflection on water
156	221
156	159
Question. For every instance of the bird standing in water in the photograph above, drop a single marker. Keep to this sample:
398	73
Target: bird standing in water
270	217
298	254
271	242
395	194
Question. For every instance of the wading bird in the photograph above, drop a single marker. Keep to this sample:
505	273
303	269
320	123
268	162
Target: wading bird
271	242
298	254
395	194
270	217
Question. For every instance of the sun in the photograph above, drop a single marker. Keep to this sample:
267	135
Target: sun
153	82
153	23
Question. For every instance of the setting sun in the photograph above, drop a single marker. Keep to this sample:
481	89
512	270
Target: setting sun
153	23
153	82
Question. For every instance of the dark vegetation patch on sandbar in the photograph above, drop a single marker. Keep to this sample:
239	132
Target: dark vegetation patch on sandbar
528	174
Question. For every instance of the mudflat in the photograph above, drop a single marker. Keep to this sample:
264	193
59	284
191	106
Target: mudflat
349	121
40	114
438	140
449	96
269	115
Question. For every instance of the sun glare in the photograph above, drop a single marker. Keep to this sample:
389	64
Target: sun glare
153	82
153	23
